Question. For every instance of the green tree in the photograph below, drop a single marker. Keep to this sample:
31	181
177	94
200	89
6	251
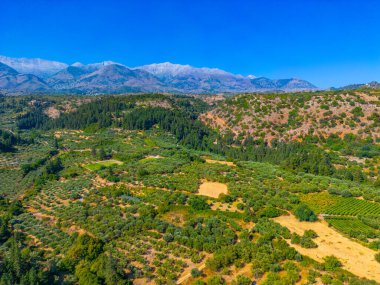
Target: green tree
102	154
195	272
304	213
198	203
331	263
242	280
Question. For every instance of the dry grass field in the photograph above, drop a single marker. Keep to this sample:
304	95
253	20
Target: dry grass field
355	258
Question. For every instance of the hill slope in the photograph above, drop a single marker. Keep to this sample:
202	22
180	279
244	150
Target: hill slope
293	116
12	80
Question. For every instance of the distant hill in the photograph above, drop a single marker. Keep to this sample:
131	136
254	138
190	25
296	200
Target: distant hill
112	77
10	79
287	117
373	84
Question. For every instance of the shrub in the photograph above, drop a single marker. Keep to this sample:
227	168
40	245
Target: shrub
242	280
198	203
216	280
195	272
331	263
304	213
377	257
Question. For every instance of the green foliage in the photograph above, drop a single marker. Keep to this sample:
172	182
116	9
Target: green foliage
377	257
198	203
195	272
304	213
242	280
331	263
216	280
353	227
85	248
353	207
20	267
8	141
138	216
306	240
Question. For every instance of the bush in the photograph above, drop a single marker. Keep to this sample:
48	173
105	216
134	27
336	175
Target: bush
168	237
198	203
331	263
307	242
216	280
304	213
242	280
195	272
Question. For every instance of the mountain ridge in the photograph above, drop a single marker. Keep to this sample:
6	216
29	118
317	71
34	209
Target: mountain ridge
113	77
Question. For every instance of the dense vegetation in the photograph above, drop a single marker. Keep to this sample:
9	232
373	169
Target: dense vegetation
181	120
108	193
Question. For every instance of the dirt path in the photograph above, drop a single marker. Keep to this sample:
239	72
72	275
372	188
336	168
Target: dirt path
355	257
188	275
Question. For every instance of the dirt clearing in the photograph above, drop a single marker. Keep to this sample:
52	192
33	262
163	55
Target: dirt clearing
355	258
212	189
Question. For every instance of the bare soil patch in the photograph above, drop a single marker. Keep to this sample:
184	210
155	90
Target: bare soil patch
355	257
212	189
52	112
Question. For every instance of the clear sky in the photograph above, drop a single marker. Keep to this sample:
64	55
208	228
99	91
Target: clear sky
328	42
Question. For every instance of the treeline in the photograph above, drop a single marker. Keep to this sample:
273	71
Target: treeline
186	129
292	155
99	112
106	111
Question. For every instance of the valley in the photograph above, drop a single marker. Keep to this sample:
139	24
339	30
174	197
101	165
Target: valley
166	189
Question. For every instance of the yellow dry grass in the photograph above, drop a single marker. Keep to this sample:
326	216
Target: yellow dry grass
355	257
229	163
212	189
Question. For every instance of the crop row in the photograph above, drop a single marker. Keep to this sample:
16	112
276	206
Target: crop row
353	207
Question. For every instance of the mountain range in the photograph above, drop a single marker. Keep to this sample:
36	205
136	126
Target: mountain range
30	75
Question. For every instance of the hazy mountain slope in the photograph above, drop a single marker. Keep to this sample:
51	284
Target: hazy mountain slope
213	80
263	83
293	116
105	78
294	84
36	66
10	79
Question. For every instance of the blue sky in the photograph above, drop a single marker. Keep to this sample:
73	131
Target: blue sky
328	42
